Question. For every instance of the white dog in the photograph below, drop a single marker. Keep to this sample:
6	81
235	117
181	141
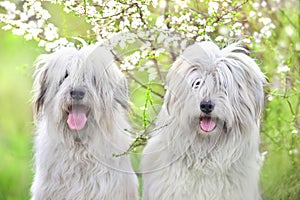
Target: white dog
207	138
80	104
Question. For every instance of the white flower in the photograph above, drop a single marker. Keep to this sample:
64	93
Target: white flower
289	30
162	4
252	14
183	44
203	38
209	29
158	52
122	44
24	16
136	23
152	74
225	4
57	44
263	155
246	40
212	7
255	5
220	39
126	66
182	3
149	63
201	22
8	6
160	21
135	57
28	37
257	37
283	69
237	25
270	98
192	28
50	32
223	30
175	43
42	43
7	27
154	3
18	31
265	20
161	37
293	151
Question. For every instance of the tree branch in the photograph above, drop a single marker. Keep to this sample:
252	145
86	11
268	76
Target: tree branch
134	79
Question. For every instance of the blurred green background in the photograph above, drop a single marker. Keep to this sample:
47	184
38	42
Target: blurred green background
280	175
16	55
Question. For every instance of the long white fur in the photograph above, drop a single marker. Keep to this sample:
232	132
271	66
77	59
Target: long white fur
76	165
180	162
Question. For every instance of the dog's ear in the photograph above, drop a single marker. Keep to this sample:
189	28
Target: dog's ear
121	93
39	87
175	85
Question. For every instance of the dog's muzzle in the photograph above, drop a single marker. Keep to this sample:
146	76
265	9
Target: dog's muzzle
207	123
77	111
207	106
77	93
77	116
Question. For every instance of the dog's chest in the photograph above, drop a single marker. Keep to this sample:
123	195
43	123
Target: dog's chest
208	183
77	172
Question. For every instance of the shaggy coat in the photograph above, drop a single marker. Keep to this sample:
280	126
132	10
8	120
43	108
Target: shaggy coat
206	142
80	100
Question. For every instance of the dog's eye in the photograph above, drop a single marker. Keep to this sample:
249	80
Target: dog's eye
66	76
196	84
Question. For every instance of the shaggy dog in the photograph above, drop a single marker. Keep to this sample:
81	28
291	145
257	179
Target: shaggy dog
80	105
205	146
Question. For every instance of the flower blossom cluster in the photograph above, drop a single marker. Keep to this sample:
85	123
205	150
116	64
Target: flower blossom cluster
156	28
31	20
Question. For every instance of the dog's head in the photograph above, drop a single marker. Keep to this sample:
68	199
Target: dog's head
215	90
77	87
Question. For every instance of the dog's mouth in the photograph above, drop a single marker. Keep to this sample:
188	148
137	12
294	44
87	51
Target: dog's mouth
207	124
77	116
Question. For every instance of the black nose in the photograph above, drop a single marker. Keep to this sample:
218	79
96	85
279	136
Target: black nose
207	106
77	93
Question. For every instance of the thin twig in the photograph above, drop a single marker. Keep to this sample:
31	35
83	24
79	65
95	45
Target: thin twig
287	17
286	89
134	79
142	84
165	13
157	67
121	12
229	11
140	140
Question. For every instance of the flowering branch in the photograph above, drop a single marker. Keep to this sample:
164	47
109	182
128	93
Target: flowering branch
147	35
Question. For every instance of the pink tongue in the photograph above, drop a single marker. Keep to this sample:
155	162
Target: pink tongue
77	119
207	124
